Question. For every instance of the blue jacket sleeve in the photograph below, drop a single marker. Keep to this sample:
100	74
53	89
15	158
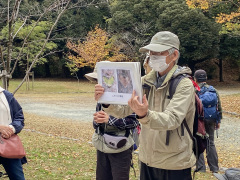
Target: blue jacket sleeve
15	111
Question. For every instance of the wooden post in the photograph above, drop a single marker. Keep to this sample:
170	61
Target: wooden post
4	79
0	74
32	78
28	79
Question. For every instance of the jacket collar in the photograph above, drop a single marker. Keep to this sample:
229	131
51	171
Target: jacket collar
151	77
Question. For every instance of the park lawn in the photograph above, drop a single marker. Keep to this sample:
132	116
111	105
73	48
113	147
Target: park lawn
64	151
52	86
50	154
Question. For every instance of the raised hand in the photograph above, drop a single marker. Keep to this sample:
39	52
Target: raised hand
139	108
99	90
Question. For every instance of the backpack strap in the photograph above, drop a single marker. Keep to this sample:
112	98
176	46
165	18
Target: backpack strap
172	88
174	83
195	144
146	89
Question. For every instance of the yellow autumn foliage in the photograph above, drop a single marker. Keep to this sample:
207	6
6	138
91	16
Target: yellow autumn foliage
94	49
231	21
223	18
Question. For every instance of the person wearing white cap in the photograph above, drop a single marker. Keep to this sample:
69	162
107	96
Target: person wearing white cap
146	66
159	114
113	140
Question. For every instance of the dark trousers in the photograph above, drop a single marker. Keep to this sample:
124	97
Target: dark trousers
212	157
113	166
13	168
151	173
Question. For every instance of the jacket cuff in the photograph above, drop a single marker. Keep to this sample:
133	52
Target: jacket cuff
145	119
14	130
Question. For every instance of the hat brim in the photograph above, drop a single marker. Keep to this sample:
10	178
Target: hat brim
155	48
220	176
91	76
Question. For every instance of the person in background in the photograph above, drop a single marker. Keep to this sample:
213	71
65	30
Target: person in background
200	76
162	157
11	122
146	65
112	163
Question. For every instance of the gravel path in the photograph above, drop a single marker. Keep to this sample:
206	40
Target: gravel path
81	110
228	143
75	110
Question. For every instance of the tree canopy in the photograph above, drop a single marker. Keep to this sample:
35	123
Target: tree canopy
204	28
226	12
197	33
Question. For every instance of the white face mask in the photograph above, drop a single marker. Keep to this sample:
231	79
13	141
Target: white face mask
158	63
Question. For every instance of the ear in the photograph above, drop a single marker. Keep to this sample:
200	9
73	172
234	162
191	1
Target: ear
175	55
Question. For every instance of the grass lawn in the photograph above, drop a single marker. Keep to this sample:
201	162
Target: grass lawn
59	148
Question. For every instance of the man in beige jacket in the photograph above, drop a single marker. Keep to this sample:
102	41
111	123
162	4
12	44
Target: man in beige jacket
158	113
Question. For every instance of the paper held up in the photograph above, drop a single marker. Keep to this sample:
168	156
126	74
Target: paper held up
119	79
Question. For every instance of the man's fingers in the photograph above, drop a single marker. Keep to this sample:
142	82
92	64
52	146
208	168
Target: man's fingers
136	101
144	100
133	94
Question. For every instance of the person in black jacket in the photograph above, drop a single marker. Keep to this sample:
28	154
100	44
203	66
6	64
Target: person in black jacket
11	122
200	77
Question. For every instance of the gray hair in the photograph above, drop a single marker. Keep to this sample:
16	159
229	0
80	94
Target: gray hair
170	51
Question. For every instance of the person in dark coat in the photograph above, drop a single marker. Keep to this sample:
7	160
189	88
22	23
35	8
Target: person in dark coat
11	122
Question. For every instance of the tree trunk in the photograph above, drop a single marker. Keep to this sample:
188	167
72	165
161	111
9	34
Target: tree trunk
220	70
47	70
192	66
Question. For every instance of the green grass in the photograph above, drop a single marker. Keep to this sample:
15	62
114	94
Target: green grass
56	158
52	86
51	157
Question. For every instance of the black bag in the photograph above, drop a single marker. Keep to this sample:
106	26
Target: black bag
230	174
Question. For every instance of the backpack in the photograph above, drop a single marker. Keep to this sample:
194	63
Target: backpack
199	136
209	98
135	133
230	174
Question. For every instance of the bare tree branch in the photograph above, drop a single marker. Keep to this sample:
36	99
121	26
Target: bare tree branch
20	27
24	43
37	56
53	52
49	9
